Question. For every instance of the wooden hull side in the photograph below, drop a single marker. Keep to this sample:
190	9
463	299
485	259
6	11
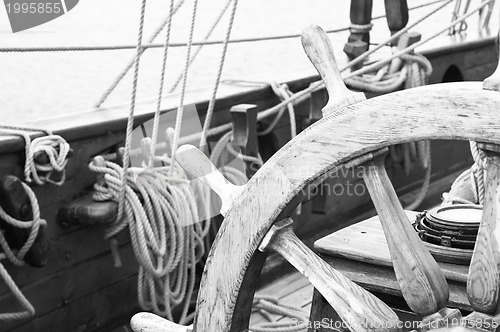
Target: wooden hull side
80	290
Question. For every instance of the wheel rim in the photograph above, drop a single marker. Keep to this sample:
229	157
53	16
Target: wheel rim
461	111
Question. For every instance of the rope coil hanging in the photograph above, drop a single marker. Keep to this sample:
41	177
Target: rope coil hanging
56	151
17	258
159	205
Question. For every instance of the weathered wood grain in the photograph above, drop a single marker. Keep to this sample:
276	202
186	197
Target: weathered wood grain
200	167
448	111
244	120
382	280
319	50
365	242
422	283
483	284
359	309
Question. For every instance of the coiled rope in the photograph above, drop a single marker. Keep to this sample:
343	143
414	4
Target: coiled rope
159	205
17	258
468	187
53	146
139	48
56	150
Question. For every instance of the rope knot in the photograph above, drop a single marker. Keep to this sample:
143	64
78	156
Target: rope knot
360	28
44	156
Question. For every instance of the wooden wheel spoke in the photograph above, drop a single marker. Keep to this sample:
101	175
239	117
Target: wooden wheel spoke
484	272
198	166
360	310
319	50
483	281
422	283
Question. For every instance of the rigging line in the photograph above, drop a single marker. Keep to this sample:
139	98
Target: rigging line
362	57
199	48
317	85
379	45
180	109
132	61
211	104
160	45
154	136
412	47
130	120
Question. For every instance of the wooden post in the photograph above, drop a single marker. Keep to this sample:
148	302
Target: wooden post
197	165
397	16
359	39
422	283
244	118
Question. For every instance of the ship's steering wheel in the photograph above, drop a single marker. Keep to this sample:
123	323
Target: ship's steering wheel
352	132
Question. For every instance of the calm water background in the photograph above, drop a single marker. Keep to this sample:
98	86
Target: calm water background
40	85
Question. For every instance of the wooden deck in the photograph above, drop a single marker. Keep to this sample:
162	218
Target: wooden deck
292	289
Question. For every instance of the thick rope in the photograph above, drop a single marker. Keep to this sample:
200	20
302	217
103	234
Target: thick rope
17	258
164	229
54	147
